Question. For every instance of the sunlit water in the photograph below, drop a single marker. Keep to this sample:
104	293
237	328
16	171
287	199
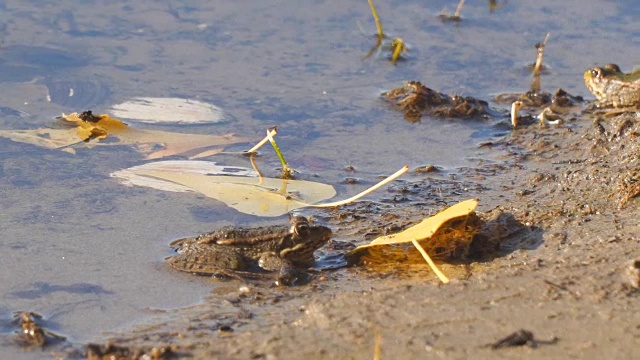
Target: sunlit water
88	253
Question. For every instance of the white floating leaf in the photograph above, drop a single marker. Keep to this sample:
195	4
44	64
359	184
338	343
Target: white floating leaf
168	110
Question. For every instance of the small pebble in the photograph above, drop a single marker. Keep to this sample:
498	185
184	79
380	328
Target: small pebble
633	273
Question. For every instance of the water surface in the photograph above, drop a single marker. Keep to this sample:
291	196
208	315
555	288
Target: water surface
88	253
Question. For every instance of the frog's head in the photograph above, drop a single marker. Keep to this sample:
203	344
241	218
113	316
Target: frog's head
305	239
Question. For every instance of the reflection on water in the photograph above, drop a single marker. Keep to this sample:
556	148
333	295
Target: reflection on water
79	248
40	289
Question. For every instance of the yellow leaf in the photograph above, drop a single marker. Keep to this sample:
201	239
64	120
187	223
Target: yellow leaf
444	236
247	194
153	144
87	119
48	138
95	126
272	197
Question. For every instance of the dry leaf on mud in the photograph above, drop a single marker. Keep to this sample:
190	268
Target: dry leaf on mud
231	185
153	144
444	236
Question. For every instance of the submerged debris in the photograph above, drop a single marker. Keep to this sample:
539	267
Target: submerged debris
416	99
532	99
397	46
444	16
551	105
32	334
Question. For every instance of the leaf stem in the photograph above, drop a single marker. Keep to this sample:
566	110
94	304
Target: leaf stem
377	19
433	266
286	170
368	191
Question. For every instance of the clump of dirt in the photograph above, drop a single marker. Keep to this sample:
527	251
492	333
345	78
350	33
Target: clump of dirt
415	100
110	351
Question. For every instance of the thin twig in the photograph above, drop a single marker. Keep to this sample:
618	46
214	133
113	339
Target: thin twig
377	345
369	190
458	9
540	48
535	83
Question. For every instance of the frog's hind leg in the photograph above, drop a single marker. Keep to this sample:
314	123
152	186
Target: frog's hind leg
207	263
181	263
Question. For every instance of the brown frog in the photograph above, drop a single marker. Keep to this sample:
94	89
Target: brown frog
234	251
612	87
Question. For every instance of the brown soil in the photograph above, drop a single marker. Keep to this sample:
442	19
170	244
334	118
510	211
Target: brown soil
569	280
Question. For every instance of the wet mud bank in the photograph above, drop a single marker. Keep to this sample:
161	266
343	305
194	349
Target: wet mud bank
567	278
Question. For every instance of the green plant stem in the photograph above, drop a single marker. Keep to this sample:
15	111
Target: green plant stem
377	19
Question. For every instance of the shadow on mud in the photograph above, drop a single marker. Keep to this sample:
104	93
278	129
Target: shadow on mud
501	234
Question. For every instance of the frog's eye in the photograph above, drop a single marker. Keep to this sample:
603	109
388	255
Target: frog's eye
301	228
595	72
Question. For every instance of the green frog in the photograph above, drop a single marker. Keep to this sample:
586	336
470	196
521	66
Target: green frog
612	87
234	251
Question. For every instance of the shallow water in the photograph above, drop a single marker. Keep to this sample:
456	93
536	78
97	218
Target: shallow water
88	253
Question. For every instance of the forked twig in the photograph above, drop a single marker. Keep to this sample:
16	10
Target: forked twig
286	170
270	133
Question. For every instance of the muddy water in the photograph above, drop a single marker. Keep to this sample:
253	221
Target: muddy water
87	253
